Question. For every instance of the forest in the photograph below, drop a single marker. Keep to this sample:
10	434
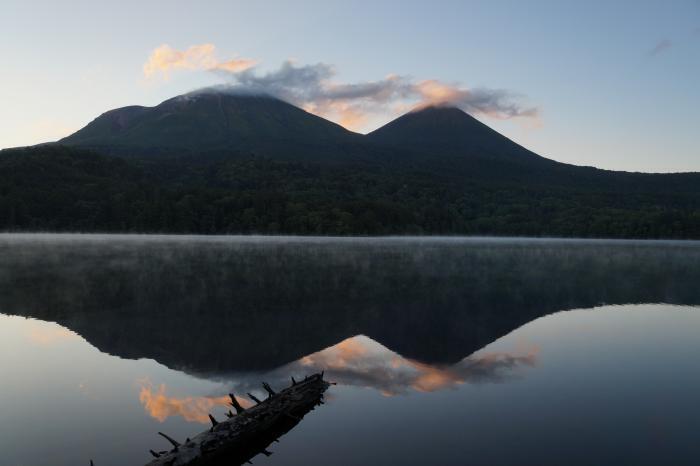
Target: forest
66	189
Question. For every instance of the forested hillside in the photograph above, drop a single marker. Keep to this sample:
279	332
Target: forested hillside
56	188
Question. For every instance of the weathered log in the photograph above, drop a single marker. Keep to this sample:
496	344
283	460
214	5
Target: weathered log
172	441
236	404
268	389
240	438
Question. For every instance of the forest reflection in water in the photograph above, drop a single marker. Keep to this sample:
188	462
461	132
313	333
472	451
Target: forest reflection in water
183	300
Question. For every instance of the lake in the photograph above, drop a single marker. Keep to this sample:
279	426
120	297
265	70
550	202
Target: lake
450	351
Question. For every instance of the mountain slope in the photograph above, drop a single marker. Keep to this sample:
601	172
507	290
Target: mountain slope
449	142
210	121
448	130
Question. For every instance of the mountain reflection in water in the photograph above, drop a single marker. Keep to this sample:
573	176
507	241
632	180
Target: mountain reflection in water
182	300
362	362
358	362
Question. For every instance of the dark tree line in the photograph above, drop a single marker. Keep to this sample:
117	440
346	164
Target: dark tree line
54	188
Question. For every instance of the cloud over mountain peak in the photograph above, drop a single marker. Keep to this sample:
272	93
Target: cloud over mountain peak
315	88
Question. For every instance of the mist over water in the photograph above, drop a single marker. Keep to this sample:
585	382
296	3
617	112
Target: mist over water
493	349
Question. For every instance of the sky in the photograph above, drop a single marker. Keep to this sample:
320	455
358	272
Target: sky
598	83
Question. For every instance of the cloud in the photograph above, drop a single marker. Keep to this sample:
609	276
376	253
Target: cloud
160	406
314	87
660	47
496	103
165	59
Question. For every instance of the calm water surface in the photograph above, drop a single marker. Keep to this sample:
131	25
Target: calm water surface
446	351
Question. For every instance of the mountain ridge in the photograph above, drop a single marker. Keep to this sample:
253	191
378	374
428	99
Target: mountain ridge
215	121
202	122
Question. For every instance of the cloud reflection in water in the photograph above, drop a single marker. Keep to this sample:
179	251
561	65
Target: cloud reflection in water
160	406
358	361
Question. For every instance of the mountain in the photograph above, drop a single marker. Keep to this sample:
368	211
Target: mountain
221	163
211	121
439	129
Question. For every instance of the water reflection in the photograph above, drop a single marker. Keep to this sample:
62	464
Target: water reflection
183	301
356	362
633	367
45	335
159	405
362	362
393	321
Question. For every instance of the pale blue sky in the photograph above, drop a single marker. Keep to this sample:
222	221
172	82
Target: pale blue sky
604	98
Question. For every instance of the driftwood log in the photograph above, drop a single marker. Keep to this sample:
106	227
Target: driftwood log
249	432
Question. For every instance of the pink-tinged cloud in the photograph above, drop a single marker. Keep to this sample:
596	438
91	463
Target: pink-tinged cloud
164	59
315	89
494	103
